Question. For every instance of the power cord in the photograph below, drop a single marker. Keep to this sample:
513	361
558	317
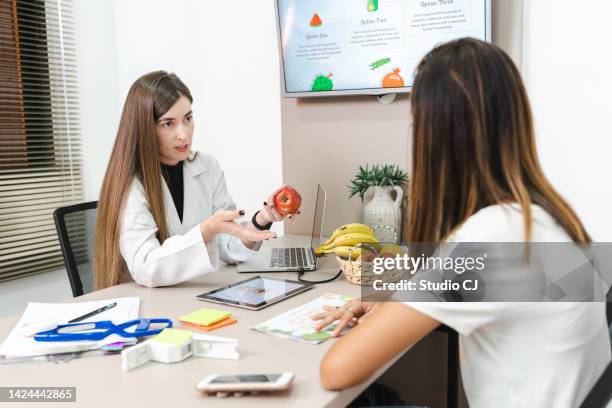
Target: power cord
301	273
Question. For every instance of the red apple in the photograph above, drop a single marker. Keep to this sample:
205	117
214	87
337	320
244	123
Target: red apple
287	200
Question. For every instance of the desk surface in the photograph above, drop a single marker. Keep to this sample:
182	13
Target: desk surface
100	381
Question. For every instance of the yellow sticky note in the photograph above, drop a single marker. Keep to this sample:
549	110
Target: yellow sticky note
205	317
176	337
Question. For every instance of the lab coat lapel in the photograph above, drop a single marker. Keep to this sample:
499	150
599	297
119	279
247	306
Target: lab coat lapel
193	191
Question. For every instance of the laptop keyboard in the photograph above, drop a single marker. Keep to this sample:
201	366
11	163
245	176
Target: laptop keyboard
289	258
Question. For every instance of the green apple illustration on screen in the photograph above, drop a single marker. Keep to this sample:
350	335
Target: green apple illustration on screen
372	5
322	83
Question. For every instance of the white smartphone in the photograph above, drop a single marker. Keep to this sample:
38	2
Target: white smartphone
245	382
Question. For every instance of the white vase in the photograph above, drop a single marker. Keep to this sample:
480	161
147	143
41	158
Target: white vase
383	213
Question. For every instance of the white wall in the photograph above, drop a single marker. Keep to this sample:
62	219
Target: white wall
226	53
99	88
567	66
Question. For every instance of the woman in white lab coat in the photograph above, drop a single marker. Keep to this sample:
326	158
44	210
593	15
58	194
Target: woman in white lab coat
164	214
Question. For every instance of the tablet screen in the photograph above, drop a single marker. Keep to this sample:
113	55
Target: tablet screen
255	292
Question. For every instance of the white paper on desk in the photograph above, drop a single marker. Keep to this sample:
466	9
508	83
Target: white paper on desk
17	345
296	324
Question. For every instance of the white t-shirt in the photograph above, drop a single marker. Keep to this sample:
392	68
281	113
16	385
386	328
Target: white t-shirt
517	354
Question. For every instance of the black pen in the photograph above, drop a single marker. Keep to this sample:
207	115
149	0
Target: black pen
95	312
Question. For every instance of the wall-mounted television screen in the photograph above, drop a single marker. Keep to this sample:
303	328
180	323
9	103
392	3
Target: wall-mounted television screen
371	47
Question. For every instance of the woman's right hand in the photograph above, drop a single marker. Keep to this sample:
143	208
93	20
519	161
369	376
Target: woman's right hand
223	222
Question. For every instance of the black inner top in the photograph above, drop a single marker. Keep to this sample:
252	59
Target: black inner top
174	179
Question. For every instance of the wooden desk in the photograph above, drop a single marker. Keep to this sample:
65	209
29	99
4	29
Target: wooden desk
100	381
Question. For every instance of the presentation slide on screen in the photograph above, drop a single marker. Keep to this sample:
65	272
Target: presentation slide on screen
368	44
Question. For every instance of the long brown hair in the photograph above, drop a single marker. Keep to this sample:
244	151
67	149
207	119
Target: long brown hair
474	145
135	154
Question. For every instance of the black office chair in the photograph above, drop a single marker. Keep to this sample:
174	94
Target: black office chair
601	393
609	312
452	366
75	226
609	307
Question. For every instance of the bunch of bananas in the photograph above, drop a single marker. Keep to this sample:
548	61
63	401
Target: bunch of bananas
346	237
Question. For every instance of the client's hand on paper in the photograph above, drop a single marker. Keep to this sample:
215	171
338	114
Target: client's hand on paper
351	313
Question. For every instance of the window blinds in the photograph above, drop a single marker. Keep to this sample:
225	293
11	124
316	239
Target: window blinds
40	135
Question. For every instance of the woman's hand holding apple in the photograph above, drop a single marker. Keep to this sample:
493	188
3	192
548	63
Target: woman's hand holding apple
284	202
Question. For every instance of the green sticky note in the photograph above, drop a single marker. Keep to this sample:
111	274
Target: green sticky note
205	317
176	337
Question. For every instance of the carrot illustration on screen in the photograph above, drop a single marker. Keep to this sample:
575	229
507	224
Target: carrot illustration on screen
316	21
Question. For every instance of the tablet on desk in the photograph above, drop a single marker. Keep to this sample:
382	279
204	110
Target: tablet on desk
256	293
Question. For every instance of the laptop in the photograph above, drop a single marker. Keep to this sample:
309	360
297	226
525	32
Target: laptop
290	259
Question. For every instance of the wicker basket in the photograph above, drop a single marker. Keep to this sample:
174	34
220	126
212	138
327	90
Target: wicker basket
362	273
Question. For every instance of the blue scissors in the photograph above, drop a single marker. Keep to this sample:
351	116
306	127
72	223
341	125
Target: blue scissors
101	330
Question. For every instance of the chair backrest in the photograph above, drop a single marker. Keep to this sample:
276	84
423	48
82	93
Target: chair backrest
609	307
601	393
75	226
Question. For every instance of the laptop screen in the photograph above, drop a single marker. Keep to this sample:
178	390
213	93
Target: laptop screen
317	225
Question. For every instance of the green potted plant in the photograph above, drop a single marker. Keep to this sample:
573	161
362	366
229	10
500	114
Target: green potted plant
374	185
